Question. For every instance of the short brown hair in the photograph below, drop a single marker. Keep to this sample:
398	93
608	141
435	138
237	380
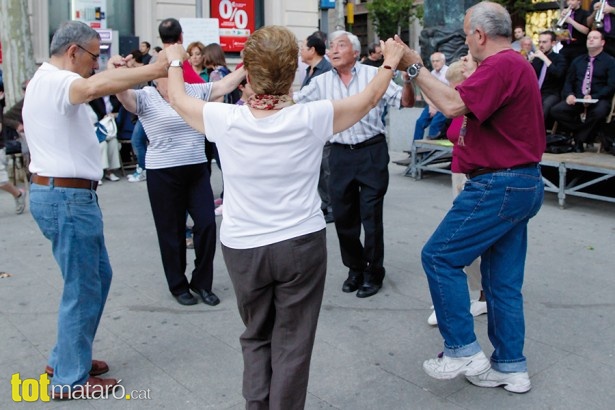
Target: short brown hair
271	58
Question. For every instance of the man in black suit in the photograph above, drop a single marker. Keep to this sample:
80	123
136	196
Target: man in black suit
550	69
590	77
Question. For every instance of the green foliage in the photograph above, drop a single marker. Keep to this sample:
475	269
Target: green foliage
390	17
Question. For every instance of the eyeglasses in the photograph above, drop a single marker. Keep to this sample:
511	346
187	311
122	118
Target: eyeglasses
94	56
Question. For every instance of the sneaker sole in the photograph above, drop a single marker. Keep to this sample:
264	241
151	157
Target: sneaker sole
513	388
453	374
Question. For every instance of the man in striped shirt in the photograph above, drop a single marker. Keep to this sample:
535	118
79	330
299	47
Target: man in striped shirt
359	163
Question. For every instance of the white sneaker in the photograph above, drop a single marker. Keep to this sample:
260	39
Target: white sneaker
518	382
218	211
112	177
100	182
478	307
432	319
20	202
138	176
445	367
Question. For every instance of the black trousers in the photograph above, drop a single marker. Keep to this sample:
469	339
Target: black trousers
569	116
323	181
172	192
357	185
279	289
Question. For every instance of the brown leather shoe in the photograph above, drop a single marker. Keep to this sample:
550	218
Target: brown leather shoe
94	387
98	367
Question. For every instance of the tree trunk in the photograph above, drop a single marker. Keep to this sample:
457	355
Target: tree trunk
18	62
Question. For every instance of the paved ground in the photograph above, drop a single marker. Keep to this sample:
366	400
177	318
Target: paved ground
368	352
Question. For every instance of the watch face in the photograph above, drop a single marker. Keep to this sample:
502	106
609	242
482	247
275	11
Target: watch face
176	63
413	70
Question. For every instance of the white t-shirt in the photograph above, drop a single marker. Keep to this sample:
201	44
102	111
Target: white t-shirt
60	135
271	167
172	142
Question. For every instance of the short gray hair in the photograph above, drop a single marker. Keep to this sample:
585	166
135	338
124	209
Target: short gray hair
354	40
492	18
71	32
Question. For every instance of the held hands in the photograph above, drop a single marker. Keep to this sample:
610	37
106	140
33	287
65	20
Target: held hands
410	56
392	52
118	61
571	99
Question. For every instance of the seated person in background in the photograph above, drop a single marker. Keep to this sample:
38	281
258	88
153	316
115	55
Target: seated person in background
591	76
431	117
550	70
577	29
527	48
374	56
518	33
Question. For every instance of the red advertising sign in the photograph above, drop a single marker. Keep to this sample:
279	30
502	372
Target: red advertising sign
236	22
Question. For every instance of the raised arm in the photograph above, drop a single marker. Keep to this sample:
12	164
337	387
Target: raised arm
189	108
446	99
348	111
227	84
114	81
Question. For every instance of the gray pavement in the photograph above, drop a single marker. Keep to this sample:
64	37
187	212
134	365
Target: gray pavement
368	352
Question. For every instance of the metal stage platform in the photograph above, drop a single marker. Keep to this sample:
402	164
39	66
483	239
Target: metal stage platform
577	173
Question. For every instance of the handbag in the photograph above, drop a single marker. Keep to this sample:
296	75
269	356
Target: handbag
106	128
559	144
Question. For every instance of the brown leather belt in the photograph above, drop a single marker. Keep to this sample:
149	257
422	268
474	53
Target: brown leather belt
483	171
373	140
65	182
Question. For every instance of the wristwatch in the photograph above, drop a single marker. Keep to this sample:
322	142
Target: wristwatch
413	70
175	63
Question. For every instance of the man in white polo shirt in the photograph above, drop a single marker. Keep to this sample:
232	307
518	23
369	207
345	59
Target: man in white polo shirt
65	165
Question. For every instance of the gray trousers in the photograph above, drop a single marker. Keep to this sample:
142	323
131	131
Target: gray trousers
279	289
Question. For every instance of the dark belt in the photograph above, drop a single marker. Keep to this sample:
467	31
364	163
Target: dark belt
373	140
65	182
483	171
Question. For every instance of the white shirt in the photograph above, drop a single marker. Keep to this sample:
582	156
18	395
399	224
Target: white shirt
271	168
61	138
441	75
329	86
172	142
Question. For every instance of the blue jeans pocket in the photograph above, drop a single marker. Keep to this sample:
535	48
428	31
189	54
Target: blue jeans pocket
518	204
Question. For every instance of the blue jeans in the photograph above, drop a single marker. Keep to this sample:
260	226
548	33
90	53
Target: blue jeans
489	219
139	143
435	124
71	219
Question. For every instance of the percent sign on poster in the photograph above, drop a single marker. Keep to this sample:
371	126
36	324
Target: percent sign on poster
229	11
236	19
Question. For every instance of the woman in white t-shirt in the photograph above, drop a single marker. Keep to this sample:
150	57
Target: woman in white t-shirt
273	230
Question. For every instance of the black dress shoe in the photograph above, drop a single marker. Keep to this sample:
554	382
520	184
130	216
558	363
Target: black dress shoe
368	289
353	283
186	299
208	297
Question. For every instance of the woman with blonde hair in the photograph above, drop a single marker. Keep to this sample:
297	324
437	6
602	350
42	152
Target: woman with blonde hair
273	230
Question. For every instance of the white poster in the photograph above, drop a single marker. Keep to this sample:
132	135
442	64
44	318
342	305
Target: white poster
200	29
91	12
